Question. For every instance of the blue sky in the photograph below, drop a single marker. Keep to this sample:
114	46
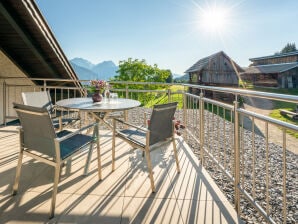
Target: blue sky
173	34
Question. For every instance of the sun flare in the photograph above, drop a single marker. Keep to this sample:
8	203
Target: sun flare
214	18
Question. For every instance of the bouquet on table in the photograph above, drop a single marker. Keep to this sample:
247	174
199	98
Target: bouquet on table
99	87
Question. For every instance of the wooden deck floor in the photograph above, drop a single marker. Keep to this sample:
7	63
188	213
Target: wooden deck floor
123	196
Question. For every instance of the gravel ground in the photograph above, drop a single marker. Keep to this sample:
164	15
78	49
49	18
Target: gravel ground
222	151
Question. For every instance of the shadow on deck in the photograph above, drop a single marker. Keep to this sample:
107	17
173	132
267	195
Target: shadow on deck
123	196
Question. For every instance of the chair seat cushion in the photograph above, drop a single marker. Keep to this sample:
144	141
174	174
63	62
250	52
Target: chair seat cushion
136	136
72	144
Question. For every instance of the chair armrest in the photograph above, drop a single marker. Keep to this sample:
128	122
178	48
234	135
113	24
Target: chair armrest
146	115
132	125
76	132
58	108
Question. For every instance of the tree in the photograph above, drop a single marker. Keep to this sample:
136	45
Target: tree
140	71
290	47
170	77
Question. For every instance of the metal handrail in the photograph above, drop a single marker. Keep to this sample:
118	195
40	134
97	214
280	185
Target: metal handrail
252	93
238	142
242	92
235	175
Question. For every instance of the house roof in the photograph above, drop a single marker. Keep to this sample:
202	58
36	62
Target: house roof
275	56
199	65
271	68
28	41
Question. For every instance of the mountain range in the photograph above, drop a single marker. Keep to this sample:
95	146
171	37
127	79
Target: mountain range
105	70
87	70
181	78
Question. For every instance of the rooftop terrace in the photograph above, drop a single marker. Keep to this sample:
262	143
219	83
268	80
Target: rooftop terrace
123	196
250	156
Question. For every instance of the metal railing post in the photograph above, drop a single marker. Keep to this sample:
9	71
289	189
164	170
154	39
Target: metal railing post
126	92
44	85
169	95
202	127
184	109
236	157
284	172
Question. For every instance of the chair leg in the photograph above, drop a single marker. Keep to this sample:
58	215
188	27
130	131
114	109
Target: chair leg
95	135
88	159
99	161
98	152
176	155
55	190
18	173
150	168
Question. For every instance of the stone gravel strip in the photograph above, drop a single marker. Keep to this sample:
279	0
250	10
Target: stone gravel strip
221	148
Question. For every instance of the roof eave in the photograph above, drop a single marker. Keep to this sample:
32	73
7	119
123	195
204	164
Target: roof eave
274	56
29	25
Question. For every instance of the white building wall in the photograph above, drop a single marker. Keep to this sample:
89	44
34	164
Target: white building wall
10	77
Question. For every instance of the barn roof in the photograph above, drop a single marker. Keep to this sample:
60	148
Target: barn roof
28	41
271	68
275	56
199	65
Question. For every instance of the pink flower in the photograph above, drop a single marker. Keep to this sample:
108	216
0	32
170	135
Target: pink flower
98	84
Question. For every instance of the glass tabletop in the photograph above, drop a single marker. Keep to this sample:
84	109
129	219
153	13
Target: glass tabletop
105	105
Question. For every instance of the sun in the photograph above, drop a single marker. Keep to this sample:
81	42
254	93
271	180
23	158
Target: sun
214	18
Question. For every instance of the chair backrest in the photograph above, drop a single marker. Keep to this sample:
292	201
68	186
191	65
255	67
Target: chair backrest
38	99
38	130
161	122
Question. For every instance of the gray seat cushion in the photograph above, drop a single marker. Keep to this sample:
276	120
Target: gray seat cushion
136	136
72	144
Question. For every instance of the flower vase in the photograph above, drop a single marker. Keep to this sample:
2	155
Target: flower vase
97	97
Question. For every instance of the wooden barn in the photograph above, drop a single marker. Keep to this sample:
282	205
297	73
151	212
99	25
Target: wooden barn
279	70
215	70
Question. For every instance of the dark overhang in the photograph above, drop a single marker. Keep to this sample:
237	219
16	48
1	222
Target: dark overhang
28	41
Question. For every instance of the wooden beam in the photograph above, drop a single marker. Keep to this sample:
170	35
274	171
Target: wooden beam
26	39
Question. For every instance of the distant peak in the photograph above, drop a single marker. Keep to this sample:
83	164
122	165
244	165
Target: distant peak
82	62
107	63
79	59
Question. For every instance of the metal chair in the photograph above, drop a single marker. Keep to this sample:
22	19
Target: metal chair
161	127
43	99
39	140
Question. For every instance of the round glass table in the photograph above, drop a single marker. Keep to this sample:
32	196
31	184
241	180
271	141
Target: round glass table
100	111
106	105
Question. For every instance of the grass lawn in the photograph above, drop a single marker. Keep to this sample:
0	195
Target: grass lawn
176	96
